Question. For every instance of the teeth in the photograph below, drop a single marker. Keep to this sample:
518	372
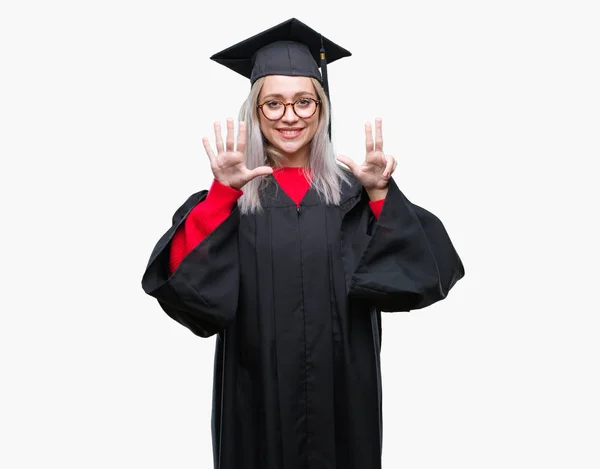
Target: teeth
289	132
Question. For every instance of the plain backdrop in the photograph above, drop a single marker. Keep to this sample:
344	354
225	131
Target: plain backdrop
492	110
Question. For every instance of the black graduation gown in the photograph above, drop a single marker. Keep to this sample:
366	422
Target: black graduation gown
295	296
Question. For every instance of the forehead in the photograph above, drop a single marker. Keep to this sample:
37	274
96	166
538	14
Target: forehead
287	86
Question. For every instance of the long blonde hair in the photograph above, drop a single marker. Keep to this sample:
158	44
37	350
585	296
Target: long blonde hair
324	173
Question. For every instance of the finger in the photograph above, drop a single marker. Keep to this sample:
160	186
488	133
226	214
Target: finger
218	137
368	137
260	171
241	143
378	135
395	165
389	165
229	139
209	152
347	161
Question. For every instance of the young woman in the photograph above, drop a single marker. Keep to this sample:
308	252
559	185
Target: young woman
289	259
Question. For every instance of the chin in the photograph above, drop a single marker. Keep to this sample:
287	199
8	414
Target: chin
289	147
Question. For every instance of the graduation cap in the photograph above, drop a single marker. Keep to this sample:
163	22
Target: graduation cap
290	48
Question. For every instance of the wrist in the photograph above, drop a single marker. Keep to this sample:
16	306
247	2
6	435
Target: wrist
377	194
221	190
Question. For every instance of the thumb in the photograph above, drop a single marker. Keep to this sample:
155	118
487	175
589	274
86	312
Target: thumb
347	161
260	171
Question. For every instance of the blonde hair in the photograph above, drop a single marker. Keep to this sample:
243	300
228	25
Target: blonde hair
324	173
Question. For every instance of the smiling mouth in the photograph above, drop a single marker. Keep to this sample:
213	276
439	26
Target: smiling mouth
289	133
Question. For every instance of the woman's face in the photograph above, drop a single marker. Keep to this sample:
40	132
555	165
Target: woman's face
290	134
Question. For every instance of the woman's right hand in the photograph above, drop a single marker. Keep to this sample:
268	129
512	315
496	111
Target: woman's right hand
229	165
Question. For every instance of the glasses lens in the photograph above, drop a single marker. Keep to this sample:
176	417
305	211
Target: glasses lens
273	109
305	107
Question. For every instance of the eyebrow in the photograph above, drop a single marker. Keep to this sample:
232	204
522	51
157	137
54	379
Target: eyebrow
299	93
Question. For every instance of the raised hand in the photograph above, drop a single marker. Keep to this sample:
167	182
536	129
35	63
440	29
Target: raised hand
375	172
229	165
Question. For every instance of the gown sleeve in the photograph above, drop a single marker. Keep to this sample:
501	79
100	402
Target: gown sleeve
408	261
202	220
202	292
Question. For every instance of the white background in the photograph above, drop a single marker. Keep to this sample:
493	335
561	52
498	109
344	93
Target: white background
492	109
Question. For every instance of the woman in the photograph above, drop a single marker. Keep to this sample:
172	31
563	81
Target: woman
290	259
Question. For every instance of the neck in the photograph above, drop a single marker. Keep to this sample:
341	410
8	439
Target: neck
298	159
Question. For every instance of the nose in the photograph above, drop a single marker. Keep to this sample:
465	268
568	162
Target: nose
289	115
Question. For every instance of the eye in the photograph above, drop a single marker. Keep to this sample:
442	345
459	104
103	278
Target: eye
273	104
304	102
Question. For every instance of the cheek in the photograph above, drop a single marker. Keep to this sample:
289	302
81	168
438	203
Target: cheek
266	128
313	128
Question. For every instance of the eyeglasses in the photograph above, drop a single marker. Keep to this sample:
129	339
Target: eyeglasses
303	108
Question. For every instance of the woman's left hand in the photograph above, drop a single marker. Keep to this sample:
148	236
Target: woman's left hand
375	172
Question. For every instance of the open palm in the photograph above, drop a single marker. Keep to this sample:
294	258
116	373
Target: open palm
229	165
375	171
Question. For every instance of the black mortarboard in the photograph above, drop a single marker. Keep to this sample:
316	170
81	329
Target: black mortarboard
290	48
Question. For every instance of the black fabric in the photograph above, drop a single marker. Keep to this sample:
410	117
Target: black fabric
295	298
289	48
